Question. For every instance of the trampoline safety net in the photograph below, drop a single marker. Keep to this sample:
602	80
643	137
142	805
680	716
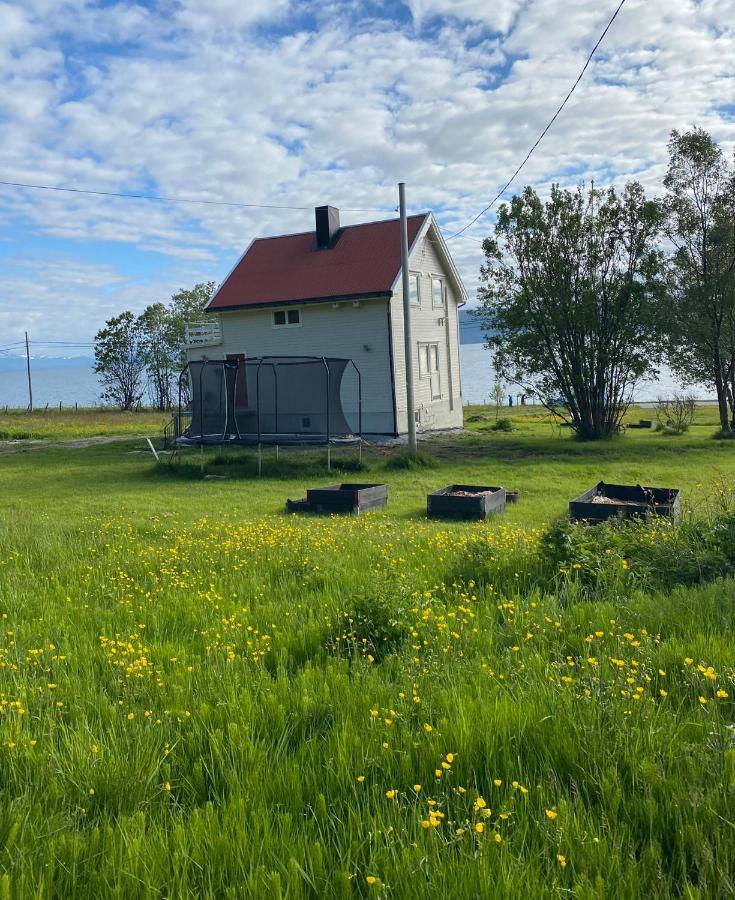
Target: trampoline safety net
271	399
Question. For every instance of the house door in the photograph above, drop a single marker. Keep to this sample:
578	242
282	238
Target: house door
434	376
241	380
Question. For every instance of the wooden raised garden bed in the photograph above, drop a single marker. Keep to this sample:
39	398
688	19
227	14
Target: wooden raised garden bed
465	501
340	498
624	501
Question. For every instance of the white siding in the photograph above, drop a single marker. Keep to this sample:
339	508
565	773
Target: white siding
427	328
354	331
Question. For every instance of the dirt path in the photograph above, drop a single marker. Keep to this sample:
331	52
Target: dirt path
24	446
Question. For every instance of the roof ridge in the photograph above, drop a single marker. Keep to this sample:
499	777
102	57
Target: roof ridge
272	237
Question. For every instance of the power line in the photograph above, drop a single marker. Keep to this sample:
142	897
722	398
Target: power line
65	190
65	343
543	133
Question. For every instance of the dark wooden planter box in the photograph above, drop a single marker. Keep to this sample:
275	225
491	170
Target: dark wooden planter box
626	502
465	501
339	498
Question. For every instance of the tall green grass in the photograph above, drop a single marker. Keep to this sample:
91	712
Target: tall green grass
278	707
68	424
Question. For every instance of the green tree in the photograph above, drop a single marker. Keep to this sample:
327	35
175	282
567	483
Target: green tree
700	222
570	299
120	360
188	306
161	352
498	395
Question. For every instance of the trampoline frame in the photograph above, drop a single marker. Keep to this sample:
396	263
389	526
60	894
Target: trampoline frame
259	436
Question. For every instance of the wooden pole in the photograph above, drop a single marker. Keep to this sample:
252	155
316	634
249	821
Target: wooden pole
407	337
30	384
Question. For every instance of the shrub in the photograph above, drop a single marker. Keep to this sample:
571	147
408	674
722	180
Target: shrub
376	625
405	460
615	556
674	416
503	425
350	464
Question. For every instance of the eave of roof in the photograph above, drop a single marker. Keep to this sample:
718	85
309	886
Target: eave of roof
338	298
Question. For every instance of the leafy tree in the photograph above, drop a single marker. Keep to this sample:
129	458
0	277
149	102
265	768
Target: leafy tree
188	306
163	328
570	299
498	395
120	360
161	352
700	222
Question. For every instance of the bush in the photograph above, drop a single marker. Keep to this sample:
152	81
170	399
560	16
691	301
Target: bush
615	556
376	625
674	416
503	425
350	464
405	460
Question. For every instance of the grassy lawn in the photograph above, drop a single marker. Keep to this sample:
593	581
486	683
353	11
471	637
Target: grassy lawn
203	696
65	424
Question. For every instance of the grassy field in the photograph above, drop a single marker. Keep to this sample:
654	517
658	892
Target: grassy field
65	424
202	696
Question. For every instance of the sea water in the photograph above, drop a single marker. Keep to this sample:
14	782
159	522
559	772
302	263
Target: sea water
69	383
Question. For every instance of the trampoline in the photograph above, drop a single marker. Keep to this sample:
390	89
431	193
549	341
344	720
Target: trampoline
270	400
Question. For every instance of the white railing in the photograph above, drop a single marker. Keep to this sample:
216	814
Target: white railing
205	333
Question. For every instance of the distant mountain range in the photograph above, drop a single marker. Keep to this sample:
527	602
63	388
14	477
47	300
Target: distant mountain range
469	333
469	328
18	363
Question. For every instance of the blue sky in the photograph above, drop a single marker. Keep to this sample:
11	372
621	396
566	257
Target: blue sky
301	103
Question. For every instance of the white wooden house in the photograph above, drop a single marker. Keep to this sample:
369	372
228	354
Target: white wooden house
337	292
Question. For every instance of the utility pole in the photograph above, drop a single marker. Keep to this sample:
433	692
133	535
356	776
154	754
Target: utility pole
407	338
30	385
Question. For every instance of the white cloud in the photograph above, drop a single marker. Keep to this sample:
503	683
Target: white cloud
207	102
498	15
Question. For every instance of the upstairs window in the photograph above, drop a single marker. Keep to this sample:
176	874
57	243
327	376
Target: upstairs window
286	318
413	289
437	292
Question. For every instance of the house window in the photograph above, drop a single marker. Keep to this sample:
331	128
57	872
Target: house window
437	292
429	368
413	289
286	318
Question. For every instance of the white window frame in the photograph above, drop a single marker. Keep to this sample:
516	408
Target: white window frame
442	282
286	324
425	374
417	276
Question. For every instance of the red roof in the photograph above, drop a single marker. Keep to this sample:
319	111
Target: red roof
364	260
